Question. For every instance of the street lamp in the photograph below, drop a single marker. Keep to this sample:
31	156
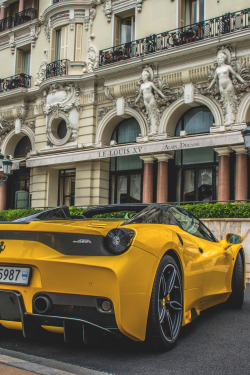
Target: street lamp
6	164
246	136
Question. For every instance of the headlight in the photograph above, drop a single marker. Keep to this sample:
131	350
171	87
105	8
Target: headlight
118	240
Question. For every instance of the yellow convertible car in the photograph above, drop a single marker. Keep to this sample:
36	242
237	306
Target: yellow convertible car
145	275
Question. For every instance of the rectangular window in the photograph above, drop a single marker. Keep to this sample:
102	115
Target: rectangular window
194	11
124	28
66	188
23	60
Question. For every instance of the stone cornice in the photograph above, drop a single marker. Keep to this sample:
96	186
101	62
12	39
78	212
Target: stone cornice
150	149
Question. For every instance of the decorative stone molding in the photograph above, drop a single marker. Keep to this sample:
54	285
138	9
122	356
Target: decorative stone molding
12	43
149	159
62	103
164	157
107	8
114	6
5	127
103	111
34	32
92	55
240	149
41	74
223	151
89	17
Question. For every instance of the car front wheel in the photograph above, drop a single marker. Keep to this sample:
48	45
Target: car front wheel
166	306
236	298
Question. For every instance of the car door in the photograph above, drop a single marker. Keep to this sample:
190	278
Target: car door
216	261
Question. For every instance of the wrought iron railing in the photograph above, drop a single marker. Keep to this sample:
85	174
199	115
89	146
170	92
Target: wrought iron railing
57	68
25	16
14	82
6	23
227	23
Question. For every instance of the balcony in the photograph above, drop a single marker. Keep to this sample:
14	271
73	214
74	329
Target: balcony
14	82
6	23
25	16
19	18
57	68
219	26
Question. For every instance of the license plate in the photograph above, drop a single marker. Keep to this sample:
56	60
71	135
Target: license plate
14	275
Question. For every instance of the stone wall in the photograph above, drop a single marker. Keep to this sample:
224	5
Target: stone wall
220	227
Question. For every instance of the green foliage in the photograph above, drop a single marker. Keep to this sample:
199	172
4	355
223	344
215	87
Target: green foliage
200	210
9	215
219	210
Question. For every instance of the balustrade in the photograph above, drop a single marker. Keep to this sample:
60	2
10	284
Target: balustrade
57	68
14	82
227	23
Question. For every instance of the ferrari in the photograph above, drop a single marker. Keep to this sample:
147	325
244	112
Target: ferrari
139	270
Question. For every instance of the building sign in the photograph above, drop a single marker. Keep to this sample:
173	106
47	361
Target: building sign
171	144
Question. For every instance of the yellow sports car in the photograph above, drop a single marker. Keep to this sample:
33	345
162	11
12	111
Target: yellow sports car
144	275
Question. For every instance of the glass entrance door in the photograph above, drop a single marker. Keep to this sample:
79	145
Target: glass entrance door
198	184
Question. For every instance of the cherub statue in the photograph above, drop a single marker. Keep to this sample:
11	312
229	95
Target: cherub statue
147	92
224	74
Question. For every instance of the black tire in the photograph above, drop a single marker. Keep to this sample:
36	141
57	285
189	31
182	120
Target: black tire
236	298
166	306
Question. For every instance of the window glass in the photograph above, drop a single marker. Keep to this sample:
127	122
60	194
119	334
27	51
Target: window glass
22	147
127	131
196	120
128	162
198	155
122	189
66	187
126	30
205	185
190	224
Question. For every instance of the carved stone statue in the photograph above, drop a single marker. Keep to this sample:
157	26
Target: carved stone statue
224	74
147	92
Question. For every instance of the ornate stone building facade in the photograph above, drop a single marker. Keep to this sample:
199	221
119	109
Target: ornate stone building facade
109	101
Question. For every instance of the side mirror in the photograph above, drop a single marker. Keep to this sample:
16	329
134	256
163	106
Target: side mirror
233	238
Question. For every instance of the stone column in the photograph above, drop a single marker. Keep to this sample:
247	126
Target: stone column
3	193
148	178
241	188
224	174
2	12
162	177
21	5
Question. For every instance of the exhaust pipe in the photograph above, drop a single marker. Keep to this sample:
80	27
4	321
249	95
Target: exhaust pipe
42	304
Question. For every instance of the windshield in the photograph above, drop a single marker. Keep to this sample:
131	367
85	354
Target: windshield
153	215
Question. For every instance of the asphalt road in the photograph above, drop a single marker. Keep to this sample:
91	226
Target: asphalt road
216	343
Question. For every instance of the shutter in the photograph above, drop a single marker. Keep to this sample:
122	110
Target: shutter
64	42
19	61
117	31
182	6
53	45
78	42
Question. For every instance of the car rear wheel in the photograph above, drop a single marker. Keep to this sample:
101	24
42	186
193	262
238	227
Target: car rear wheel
236	298
166	306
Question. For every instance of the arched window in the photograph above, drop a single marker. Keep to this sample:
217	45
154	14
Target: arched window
196	120
126	131
126	171
22	147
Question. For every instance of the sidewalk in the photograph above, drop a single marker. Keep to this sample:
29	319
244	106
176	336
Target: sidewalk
8	370
12	365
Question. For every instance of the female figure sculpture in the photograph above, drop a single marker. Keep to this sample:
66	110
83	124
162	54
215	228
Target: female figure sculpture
223	73
147	92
